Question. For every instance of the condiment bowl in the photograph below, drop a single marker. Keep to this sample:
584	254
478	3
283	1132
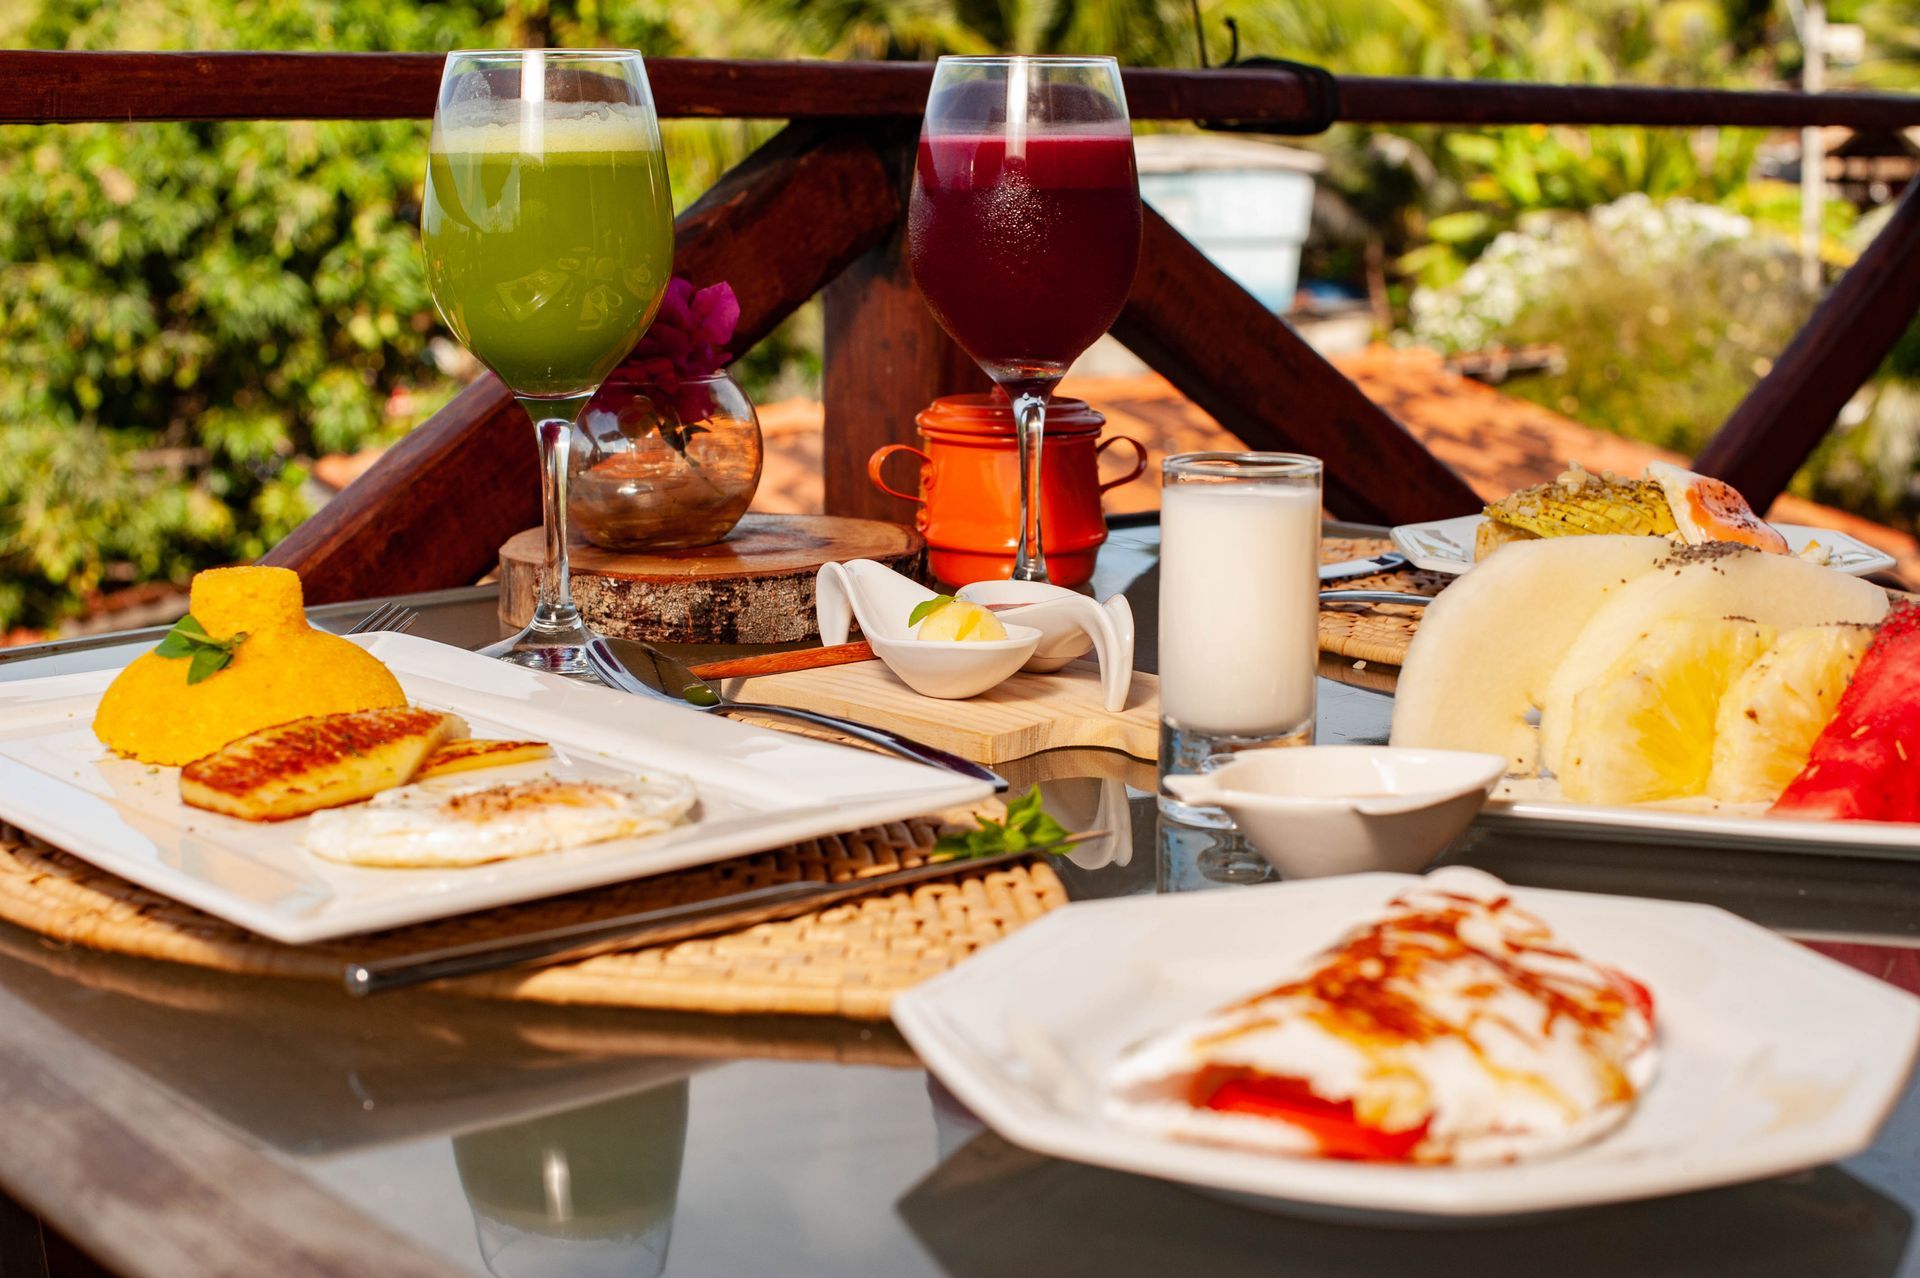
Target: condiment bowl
1070	624
953	669
1320	810
882	601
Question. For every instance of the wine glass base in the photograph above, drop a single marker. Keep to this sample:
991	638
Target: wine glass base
556	653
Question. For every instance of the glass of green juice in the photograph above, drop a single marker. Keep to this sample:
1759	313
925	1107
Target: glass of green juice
548	229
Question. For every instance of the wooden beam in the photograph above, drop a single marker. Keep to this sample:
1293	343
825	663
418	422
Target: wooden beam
1777	426
431	512
886	358
45	86
434	511
1391	100
1244	365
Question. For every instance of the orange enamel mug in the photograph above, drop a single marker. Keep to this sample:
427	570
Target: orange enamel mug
970	487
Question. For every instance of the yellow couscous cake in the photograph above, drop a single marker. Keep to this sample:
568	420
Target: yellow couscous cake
283	670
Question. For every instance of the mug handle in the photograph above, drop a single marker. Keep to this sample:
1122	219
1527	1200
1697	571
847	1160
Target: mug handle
880	456
1139	460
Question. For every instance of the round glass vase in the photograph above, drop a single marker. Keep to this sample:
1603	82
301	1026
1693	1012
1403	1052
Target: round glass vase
655	467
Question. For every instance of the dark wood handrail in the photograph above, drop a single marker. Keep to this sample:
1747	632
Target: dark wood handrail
53	87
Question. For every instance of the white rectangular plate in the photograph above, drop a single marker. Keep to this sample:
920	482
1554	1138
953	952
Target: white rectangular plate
1535	805
1773	1058
1446	545
758	789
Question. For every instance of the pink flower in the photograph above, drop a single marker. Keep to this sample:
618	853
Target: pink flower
688	337
687	340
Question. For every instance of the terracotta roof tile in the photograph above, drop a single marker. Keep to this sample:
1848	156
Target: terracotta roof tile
1496	442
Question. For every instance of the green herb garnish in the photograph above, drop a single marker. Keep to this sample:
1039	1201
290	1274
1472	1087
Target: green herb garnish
1027	827
926	608
190	639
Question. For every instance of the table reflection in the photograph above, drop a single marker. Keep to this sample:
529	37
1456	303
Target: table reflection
993	1209
1193	857
587	1193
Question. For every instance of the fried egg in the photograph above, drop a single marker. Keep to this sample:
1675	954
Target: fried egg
1454	1028
437	825
1708	509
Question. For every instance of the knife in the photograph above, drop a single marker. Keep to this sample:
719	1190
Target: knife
573	941
1362	567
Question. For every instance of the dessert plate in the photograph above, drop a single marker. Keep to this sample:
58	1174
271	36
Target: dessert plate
1773	1058
1446	545
757	789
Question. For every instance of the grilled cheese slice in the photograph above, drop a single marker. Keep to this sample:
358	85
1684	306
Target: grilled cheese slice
469	753
322	762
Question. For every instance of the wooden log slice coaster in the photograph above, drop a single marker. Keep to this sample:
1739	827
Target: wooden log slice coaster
754	587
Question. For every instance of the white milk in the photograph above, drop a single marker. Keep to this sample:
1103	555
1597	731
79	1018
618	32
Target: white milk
1239	606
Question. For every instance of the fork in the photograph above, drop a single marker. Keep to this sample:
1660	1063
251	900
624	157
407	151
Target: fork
397	618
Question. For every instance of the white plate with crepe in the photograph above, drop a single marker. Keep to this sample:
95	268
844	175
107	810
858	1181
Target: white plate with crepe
1772	1058
1446	545
756	788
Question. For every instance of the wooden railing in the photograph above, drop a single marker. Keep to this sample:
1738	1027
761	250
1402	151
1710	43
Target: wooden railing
819	209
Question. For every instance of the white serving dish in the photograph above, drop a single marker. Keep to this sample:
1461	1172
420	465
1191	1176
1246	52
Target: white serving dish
1446	545
758	789
1346	809
1773	1058
1534	805
1048	627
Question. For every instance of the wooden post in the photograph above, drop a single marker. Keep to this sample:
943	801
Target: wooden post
886	358
1786	415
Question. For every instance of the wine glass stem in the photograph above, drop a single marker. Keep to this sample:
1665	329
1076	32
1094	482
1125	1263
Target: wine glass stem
1029	427
554	613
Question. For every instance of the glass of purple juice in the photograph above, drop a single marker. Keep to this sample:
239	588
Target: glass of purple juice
1024	230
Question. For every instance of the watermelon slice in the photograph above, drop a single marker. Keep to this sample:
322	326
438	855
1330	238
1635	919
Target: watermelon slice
1865	765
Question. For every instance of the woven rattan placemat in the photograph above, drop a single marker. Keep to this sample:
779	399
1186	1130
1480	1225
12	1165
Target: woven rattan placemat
1373	632
845	960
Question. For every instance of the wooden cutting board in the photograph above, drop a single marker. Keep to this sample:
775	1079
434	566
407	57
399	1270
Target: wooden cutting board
756	586
1026	714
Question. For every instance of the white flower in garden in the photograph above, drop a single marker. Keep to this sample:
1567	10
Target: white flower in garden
1633	237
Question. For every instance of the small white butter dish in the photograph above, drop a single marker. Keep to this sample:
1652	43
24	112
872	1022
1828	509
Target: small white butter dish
1047	626
882	600
1321	810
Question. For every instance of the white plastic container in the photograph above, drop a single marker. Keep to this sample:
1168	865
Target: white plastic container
1248	205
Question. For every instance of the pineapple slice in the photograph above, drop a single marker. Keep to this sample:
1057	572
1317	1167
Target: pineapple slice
1772	713
1644	730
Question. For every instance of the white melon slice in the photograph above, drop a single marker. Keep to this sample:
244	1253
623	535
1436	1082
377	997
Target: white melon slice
1719	579
1481	660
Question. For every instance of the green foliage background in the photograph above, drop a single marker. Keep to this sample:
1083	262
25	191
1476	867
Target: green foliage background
189	312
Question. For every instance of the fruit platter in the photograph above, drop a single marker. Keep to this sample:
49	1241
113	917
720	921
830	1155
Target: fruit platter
1701	681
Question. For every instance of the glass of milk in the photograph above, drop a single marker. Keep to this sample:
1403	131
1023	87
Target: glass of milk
1239	609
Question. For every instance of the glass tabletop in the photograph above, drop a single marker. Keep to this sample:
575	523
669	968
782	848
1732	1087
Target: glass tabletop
522	1139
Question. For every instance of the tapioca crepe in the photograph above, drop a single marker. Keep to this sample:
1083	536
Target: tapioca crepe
1451	1027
